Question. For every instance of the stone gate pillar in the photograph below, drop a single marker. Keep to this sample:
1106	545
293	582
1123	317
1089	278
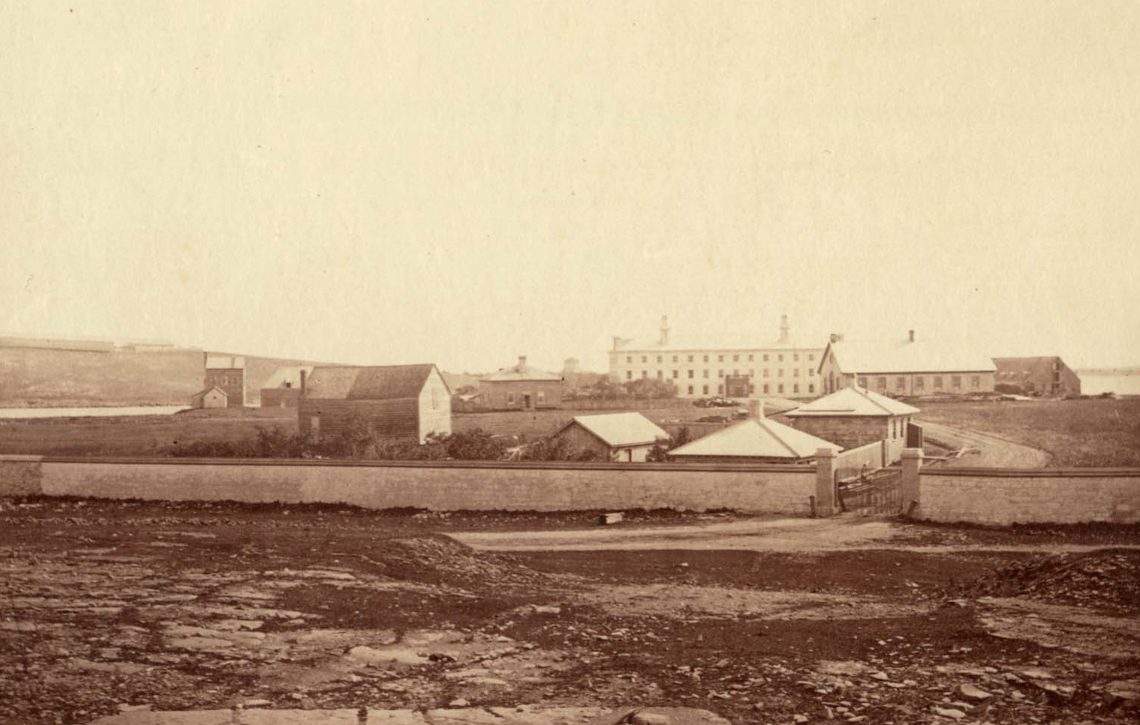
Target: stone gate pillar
911	482
825	482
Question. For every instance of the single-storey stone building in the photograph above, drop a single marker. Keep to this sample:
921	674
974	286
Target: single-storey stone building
854	417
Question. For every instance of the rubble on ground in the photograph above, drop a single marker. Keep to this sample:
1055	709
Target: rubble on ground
1103	578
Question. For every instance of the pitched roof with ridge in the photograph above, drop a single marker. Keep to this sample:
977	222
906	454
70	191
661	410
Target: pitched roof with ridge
853	402
619	430
904	356
287	374
378	382
519	373
203	391
755	438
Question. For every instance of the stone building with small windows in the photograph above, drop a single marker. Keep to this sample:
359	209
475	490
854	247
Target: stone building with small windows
521	387
906	367
702	369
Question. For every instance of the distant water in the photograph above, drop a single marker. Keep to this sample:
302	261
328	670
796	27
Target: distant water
1119	384
89	412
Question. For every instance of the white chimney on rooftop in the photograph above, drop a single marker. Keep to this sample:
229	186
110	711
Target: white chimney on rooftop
785	328
522	363
664	330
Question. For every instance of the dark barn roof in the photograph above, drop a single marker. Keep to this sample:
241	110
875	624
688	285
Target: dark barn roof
387	382
1025	366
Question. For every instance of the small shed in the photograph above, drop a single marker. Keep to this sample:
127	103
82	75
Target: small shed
755	440
623	437
212	397
854	417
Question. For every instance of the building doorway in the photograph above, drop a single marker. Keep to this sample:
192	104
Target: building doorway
526	401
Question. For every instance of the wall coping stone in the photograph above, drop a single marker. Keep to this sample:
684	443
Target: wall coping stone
1032	472
505	465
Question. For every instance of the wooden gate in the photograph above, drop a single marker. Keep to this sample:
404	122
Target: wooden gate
879	492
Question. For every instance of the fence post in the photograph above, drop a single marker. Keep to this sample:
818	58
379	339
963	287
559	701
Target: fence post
825	481
911	482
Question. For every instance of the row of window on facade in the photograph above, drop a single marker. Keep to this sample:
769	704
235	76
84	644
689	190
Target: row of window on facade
920	382
225	380
720	373
720	358
752	388
510	399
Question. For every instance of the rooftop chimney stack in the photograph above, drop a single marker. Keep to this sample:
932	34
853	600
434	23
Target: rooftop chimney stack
522	363
664	330
756	408
785	328
303	376
911	335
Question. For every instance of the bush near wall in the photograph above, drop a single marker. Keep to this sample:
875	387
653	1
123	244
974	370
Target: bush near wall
358	441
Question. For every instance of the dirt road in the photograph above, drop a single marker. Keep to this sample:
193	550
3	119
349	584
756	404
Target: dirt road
840	533
992	451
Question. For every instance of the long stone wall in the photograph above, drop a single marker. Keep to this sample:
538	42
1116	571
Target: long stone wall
436	486
1006	496
986	496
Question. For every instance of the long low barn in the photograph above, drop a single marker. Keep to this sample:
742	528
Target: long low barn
399	401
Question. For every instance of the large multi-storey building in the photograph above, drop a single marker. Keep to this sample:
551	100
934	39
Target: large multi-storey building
228	373
780	369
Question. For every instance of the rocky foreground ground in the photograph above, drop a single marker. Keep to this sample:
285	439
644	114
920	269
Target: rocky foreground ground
259	614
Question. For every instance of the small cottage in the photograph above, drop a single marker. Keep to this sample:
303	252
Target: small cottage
212	397
622	437
398	401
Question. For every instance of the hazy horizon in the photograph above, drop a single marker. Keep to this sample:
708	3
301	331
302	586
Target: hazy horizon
463	183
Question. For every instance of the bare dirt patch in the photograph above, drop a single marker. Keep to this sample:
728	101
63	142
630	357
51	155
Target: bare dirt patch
304	609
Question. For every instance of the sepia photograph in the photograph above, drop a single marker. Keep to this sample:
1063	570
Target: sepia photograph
569	362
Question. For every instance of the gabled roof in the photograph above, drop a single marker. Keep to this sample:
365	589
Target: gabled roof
1024	367
852	402
377	382
287	374
619	430
902	356
517	374
756	438
203	391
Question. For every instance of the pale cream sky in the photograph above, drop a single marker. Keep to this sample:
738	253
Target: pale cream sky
463	182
